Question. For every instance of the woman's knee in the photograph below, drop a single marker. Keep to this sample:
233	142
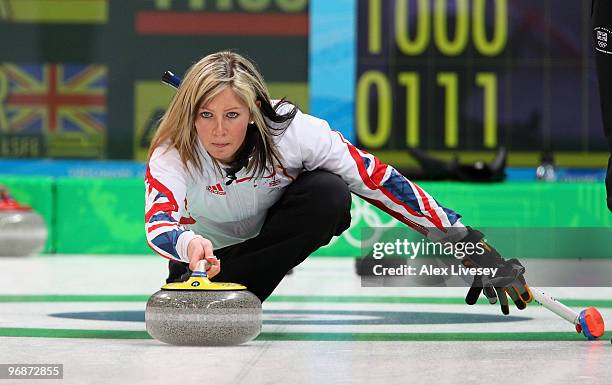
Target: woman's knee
326	190
328	198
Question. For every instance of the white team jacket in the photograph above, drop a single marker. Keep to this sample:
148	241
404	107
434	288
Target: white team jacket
181	204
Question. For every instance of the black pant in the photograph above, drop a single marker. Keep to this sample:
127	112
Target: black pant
312	210
602	24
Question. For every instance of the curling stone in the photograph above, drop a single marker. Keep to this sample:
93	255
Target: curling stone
201	312
22	230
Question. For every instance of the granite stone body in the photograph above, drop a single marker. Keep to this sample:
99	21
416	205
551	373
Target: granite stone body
203	317
21	233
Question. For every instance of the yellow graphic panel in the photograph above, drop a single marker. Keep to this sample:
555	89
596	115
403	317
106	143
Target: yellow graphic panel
295	92
54	11
151	98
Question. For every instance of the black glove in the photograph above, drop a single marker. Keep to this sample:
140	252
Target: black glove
508	279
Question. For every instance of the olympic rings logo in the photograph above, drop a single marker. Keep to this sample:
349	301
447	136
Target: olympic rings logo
363	215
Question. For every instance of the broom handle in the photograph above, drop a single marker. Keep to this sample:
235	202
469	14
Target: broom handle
554	305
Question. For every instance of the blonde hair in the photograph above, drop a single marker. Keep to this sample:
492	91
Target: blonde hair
202	82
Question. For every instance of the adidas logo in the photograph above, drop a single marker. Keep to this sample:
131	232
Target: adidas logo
216	189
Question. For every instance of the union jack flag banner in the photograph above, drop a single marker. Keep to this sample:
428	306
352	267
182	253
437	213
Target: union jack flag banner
65	104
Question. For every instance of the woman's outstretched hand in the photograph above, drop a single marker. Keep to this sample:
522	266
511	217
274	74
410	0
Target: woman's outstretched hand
201	248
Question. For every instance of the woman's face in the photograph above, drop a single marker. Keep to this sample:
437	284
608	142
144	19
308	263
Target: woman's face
222	125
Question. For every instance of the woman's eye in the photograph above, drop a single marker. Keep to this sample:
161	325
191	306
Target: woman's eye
232	115
206	114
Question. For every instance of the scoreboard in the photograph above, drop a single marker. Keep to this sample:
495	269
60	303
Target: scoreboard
473	75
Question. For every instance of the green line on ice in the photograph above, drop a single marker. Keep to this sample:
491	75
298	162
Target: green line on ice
266	336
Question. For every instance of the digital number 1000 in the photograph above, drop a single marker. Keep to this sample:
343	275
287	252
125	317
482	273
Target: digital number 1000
426	17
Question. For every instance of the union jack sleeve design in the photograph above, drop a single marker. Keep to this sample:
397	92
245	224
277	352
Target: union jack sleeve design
376	182
162	208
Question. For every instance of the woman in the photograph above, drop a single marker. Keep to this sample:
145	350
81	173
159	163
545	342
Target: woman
258	185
